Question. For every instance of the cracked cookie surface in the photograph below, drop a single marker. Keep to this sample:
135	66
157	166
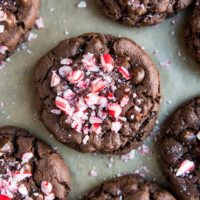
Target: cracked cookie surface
127	187
137	13
180	147
193	33
17	17
30	169
98	93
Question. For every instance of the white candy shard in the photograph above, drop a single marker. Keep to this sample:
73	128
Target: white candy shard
185	167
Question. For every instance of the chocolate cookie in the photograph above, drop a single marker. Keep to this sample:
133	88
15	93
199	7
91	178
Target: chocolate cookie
17	17
129	187
30	169
98	93
137	13
180	147
193	32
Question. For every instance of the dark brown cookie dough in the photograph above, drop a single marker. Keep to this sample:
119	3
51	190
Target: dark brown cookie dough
129	187
180	147
17	17
98	93
137	13
30	169
193	32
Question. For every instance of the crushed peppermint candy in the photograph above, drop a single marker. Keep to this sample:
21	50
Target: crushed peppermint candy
82	4
185	167
3	49
86	94
39	23
13	179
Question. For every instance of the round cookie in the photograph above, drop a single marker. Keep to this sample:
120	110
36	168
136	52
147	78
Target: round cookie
98	93
129	187
180	147
138	13
193	33
30	169
17	17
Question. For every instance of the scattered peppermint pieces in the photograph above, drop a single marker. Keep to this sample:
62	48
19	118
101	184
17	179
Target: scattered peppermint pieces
82	4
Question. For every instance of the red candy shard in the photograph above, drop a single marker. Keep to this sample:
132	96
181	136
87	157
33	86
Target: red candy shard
4	197
96	128
114	110
98	85
63	105
185	167
75	76
107	62
46	187
125	72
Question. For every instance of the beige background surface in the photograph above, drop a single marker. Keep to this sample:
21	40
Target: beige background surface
180	81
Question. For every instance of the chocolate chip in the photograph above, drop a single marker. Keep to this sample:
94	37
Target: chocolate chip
188	136
24	3
27	167
137	74
5	146
11	20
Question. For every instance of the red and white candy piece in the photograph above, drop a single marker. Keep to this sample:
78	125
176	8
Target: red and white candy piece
4	197
23	190
68	94
116	126
96	128
185	167
46	187
39	23
124	72
198	135
65	70
107	62
75	76
114	110
95	120
103	101
64	105
66	61
26	157
124	101
3	16
3	49
55	79
91	99
89	62
19	175
98	85
50	196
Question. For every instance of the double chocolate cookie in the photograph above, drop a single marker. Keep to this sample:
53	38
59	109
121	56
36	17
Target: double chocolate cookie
180	147
193	32
129	187
137	13
17	17
30	169
98	93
